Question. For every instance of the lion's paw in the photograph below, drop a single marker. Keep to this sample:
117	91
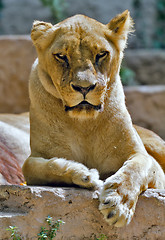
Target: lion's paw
87	178
116	203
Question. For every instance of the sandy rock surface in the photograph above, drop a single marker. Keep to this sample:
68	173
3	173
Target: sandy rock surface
27	207
17	56
147	64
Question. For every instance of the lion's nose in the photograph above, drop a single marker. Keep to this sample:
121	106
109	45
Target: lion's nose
83	90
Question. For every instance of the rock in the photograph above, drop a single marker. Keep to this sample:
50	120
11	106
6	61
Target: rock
27	208
148	65
17	56
146	105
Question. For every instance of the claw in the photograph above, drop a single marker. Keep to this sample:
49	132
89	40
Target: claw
86	179
111	214
107	202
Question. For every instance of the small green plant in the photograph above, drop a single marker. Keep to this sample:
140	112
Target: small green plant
44	233
14	233
48	234
102	237
52	231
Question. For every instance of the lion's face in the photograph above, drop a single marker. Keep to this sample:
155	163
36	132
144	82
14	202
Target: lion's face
83	63
80	60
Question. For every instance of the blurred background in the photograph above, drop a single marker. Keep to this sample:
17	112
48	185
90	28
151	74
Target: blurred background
143	68
149	16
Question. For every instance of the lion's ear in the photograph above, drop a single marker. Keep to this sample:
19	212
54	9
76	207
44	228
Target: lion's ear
41	34
120	27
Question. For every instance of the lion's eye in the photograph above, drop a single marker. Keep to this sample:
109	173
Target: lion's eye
61	58
101	56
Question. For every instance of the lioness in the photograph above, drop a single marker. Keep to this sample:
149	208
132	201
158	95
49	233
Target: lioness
81	131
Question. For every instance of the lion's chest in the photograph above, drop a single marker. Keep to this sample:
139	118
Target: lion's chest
94	151
103	148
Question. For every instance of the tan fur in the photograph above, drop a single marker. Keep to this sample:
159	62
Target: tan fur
73	142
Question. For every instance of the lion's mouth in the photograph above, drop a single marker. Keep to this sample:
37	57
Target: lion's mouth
84	105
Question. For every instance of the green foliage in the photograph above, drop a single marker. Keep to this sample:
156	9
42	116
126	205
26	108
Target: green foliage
102	237
52	231
44	233
127	76
57	8
1	6
14	233
137	4
159	41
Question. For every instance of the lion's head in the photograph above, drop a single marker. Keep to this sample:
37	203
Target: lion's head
79	59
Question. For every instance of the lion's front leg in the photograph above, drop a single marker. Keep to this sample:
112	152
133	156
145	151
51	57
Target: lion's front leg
120	192
40	171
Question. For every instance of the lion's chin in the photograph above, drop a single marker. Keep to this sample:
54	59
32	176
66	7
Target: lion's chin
83	114
84	110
